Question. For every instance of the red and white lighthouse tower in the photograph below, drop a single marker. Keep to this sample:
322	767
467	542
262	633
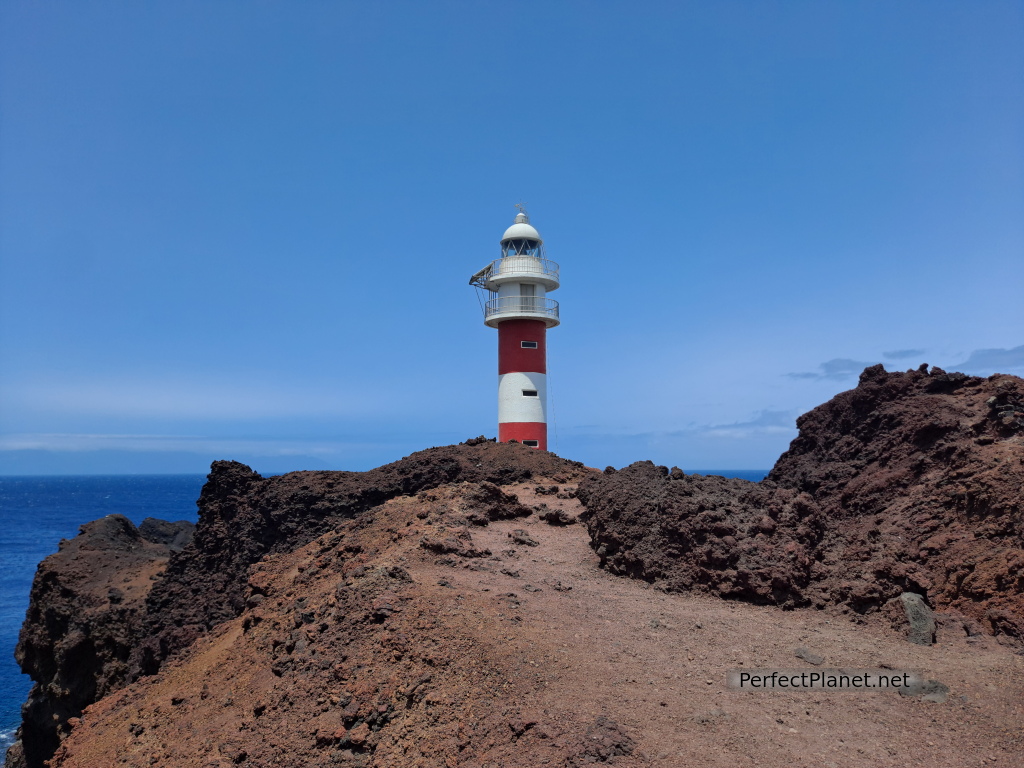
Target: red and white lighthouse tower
519	308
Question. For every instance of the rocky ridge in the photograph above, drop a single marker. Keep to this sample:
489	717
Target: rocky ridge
412	615
912	482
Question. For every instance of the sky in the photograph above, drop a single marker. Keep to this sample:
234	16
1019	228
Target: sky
244	230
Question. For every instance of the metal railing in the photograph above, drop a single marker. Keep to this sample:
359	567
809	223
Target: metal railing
525	305
516	265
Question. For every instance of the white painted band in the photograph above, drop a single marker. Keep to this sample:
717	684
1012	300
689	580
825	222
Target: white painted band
514	406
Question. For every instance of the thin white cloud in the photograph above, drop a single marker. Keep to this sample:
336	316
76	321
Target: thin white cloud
148	443
766	422
745	433
837	369
980	362
985	362
739	433
903	354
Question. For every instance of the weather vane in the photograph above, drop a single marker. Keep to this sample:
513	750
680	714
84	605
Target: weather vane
521	207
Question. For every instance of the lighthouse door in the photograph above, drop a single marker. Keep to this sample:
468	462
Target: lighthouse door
528	302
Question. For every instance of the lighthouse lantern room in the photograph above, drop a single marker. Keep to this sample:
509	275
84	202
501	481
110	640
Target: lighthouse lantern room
518	306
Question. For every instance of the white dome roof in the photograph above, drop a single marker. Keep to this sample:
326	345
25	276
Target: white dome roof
521	230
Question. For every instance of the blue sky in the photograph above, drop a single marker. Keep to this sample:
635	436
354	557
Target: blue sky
244	230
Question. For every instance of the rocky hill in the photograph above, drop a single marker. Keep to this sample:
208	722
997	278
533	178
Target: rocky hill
112	604
449	609
912	482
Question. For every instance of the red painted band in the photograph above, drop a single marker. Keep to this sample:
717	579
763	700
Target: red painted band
512	357
524	430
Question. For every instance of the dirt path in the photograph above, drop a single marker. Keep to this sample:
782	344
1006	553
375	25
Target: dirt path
597	644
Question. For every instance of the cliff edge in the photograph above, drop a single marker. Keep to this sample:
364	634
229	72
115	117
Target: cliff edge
86	614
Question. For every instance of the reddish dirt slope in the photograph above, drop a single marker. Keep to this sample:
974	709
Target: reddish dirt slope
95	623
413	636
244	517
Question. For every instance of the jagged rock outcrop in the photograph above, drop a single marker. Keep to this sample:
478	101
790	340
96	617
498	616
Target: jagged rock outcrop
921	474
86	613
732	537
912	482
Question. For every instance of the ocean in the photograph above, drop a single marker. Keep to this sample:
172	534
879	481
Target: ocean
754	475
37	512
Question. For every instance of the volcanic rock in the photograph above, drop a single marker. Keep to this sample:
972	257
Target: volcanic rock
175	535
86	613
557	517
519	536
728	536
910	615
802	652
605	740
927	690
912	482
485	502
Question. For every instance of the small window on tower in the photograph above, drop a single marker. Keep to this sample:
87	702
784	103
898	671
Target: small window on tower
529	393
528	344
531	443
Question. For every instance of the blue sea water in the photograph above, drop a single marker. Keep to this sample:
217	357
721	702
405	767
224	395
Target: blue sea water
35	514
755	475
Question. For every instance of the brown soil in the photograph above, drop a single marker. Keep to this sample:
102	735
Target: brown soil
88	631
245	517
366	648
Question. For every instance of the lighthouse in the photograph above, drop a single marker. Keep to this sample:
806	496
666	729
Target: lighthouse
518	306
